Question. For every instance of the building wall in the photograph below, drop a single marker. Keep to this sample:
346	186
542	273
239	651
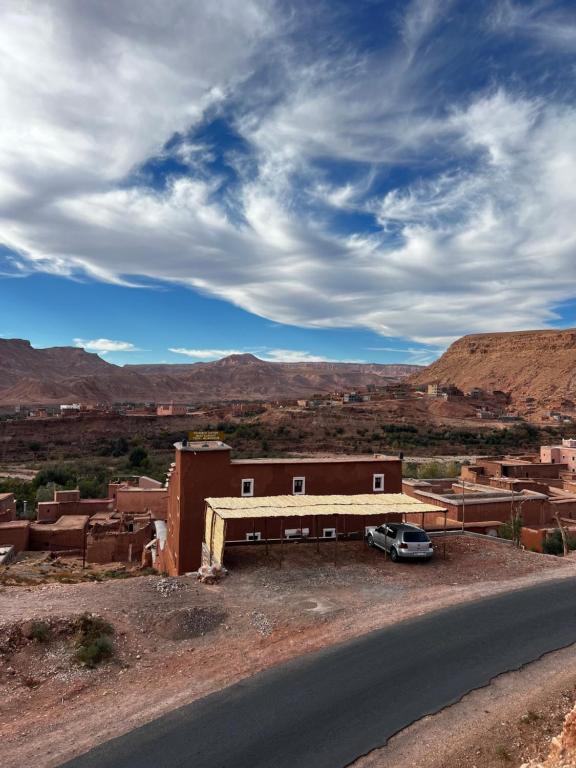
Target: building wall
7	507
558	454
16	533
533	538
126	546
276	528
55	538
199	474
140	500
171	410
534	511
50	511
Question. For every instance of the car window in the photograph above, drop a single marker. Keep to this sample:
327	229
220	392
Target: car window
415	536
391	533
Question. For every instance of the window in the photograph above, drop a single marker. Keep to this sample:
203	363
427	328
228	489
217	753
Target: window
248	487
391	532
298	486
414	536
328	533
257	536
378	483
296	533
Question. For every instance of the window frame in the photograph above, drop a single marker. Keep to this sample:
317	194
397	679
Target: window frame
378	476
247	480
303	491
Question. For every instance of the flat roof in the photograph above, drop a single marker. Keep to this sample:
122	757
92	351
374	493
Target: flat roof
230	508
318	460
202	445
64	522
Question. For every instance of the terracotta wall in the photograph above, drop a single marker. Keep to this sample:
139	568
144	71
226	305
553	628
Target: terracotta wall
118	547
198	475
16	533
50	511
140	500
47	537
7	507
533	538
534	511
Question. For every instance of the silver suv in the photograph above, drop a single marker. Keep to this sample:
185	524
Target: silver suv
401	540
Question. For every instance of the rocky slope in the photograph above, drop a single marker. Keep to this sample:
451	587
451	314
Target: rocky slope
64	374
527	364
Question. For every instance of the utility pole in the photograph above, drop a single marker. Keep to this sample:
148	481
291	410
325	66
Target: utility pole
463	504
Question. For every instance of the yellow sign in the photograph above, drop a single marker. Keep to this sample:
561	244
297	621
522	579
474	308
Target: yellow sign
202	437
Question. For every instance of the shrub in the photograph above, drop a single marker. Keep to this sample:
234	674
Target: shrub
99	649
40	631
138	456
503	753
552	545
93	640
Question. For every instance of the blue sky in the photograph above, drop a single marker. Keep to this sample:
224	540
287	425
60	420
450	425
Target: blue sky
301	180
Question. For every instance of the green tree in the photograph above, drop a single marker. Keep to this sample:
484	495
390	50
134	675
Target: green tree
138	457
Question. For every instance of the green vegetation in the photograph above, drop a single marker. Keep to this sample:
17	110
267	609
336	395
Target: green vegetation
503	753
40	631
138	457
431	469
512	529
93	640
553	543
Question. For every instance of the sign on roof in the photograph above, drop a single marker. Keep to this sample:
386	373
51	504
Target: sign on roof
202	437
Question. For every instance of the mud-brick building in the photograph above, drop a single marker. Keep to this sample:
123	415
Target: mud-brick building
206	470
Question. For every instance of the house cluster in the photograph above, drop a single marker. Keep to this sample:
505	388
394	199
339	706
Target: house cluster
540	489
114	529
211	500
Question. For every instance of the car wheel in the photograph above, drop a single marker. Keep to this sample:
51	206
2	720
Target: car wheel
370	540
394	555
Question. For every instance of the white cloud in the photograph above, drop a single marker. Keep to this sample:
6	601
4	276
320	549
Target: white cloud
485	243
205	354
102	346
270	355
552	28
293	356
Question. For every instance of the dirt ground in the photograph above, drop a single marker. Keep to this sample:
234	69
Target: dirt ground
171	633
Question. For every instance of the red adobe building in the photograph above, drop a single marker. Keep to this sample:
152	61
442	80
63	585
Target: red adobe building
204	470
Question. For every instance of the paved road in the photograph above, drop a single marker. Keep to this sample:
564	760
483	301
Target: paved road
328	708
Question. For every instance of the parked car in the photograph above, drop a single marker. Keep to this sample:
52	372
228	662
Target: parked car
401	540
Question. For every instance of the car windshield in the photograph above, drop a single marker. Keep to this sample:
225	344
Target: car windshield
415	536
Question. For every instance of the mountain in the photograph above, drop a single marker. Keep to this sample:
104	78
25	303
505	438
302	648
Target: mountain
69	374
525	364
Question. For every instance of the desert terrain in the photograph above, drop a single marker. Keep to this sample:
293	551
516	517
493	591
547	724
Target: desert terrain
170	635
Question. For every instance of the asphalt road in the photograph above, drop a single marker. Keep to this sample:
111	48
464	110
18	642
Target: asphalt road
326	709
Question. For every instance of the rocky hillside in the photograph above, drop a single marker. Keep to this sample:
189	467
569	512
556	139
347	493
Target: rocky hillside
527	364
65	374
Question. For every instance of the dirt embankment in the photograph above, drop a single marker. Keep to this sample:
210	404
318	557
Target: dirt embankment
170	634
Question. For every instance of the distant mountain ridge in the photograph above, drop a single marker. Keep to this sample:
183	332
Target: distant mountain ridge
538	364
65	374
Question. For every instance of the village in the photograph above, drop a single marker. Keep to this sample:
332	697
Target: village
249	551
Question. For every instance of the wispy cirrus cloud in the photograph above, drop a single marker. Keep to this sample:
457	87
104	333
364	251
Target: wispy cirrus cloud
348	182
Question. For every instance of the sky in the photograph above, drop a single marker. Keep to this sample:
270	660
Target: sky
303	180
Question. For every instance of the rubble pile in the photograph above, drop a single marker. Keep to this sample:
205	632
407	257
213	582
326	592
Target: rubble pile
167	586
261	623
186	623
209	574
